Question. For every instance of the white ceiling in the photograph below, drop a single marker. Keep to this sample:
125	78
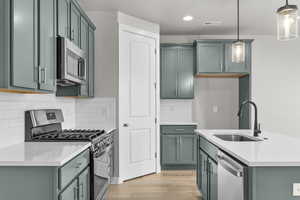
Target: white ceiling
257	16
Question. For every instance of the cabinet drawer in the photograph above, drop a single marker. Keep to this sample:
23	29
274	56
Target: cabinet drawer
209	148
70	170
182	129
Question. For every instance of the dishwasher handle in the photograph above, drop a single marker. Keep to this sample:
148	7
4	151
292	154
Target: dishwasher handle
230	165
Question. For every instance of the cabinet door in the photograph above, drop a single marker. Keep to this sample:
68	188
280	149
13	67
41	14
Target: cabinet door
210	57
84	185
84	44
237	67
187	149
63	15
91	62
24	44
75	24
213	180
169	62
71	192
204	175
185	73
170	149
47	65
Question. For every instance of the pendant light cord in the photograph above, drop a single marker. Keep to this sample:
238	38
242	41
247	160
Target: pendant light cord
238	19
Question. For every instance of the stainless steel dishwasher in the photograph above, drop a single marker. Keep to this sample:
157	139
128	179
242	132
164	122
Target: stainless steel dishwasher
230	178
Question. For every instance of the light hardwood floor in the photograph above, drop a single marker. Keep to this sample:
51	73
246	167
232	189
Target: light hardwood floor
168	185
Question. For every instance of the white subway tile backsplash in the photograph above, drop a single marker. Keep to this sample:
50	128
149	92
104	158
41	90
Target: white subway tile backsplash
96	113
176	110
12	107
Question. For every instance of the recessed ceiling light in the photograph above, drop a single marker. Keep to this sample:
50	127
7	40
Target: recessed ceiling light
188	18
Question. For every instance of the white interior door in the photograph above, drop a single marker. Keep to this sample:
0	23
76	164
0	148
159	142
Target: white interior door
136	105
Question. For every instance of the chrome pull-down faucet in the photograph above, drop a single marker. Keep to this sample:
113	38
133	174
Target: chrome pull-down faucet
257	130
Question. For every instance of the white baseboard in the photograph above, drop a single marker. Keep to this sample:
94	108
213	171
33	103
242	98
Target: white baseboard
116	180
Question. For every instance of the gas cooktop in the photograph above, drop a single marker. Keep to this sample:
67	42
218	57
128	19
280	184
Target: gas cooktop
71	134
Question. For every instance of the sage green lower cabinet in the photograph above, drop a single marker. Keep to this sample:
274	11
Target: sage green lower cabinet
178	147
203	174
44	183
260	183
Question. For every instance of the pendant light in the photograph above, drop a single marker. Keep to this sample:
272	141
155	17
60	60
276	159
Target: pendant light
287	22
238	47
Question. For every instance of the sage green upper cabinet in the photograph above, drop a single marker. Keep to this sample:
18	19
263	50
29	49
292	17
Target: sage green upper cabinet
91	62
47	39
84	44
29	48
75	24
177	72
169	61
185	73
210	57
215	57
237	67
63	18
24	64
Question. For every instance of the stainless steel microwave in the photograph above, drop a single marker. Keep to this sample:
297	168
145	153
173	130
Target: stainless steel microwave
71	63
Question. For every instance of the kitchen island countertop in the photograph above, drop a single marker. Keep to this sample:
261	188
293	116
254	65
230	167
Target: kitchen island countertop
274	149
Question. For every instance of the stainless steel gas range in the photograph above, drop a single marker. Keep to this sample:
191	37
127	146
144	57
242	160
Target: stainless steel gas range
46	126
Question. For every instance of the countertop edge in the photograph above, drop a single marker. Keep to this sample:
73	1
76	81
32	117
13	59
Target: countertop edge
45	163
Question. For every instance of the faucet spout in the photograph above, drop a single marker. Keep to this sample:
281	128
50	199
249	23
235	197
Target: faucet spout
257	130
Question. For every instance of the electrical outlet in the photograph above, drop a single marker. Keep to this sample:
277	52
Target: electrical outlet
296	189
215	109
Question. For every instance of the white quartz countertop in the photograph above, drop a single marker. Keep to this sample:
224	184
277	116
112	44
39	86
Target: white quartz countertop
41	153
277	150
178	123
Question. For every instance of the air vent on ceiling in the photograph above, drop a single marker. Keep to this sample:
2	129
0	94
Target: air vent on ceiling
212	23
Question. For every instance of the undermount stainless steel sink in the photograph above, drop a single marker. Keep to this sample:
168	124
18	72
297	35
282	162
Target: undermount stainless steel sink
237	138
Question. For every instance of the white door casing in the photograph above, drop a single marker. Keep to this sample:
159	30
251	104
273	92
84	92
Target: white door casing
137	104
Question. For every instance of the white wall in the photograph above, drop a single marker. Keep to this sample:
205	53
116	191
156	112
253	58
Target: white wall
12	107
96	113
216	103
276	84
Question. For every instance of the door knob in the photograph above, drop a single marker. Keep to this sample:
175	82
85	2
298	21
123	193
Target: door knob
125	125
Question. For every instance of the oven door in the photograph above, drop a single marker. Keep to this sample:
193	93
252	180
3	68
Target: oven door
102	173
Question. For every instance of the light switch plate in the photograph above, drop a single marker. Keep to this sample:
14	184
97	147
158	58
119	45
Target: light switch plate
296	189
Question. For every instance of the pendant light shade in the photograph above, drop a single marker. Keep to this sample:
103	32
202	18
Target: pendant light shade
238	47
287	22
238	52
